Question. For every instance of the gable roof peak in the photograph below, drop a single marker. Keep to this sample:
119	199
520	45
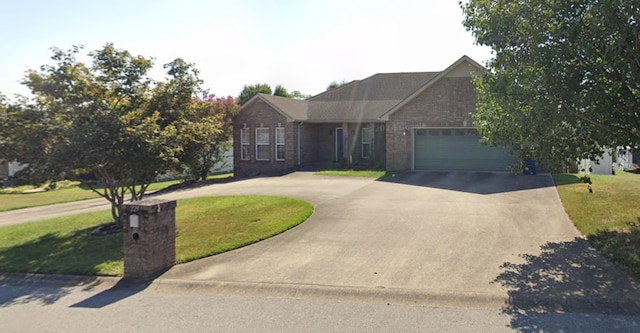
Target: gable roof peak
439	76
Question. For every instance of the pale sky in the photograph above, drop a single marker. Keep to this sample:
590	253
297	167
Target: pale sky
302	45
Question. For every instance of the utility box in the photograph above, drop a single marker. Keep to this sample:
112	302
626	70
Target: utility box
149	237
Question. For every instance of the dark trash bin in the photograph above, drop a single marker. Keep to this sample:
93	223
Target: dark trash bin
529	167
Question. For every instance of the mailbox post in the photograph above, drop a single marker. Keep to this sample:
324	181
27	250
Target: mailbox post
149	237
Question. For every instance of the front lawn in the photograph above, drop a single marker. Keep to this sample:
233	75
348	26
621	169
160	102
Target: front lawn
11	201
18	200
28	196
609	217
205	226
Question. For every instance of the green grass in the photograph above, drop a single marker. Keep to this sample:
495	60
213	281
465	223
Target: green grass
205	226
221	176
25	200
353	173
609	217
64	184
16	198
212	225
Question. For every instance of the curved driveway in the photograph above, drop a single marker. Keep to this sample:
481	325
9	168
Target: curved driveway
426	232
440	234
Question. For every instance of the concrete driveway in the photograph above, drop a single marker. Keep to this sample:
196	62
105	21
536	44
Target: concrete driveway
430	233
443	238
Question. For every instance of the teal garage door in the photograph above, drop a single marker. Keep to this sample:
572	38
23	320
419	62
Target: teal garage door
456	149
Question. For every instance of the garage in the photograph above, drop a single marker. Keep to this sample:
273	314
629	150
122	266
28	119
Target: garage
456	149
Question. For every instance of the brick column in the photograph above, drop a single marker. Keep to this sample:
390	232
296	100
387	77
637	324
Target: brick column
149	237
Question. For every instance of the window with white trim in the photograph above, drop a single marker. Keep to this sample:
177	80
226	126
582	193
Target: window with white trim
244	144
262	144
280	143
367	137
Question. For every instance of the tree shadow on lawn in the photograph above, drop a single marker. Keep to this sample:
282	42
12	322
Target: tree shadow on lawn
566	179
473	182
76	253
621	247
565	277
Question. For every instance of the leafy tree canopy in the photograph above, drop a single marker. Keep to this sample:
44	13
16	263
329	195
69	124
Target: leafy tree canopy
336	84
296	94
251	90
111	119
565	77
282	92
205	138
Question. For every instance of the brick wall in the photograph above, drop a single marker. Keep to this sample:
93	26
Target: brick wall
260	114
318	144
448	103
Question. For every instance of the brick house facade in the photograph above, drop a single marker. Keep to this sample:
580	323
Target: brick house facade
370	123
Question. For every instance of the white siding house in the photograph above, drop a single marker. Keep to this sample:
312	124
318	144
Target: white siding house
601	166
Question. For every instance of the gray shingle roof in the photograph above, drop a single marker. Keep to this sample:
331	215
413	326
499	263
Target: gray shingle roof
359	100
370	99
294	108
366	99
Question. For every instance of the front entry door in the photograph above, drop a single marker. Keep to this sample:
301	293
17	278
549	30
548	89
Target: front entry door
339	144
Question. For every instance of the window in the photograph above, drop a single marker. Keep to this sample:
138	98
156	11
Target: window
366	142
244	144
280	144
262	144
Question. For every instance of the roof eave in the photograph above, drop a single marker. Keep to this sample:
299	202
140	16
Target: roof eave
283	113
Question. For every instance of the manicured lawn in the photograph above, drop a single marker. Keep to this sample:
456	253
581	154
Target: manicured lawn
25	200
609	217
13	201
353	173
205	226
15	198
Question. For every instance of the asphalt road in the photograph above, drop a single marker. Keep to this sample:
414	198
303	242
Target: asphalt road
96	309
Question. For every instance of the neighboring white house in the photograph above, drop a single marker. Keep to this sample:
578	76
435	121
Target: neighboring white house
600	166
226	164
9	169
625	159
605	165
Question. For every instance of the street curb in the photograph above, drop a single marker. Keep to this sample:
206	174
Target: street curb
380	295
393	296
57	281
508	301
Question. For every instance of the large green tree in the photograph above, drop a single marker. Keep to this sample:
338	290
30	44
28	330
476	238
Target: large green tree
201	121
248	91
565	77
251	90
281	91
108	118
204	137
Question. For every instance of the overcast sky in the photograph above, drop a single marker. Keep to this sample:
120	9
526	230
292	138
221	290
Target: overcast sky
302	45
